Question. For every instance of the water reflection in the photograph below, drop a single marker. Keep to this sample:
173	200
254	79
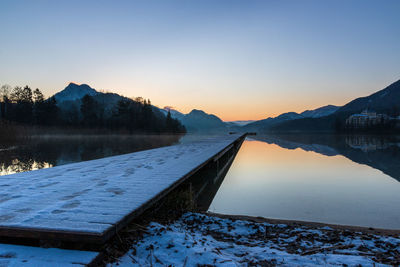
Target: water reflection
281	177
381	152
47	151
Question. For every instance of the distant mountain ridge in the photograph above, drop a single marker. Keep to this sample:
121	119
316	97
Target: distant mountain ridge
324	118
264	125
385	101
320	112
198	121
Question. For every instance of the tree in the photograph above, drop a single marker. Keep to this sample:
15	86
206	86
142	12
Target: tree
22	98
169	123
124	115
5	100
5	92
26	95
16	94
50	112
38	96
39	107
88	110
25	106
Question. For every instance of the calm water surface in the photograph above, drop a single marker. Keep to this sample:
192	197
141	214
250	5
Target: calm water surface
349	181
53	150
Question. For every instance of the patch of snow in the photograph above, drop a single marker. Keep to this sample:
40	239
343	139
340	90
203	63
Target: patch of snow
198	239
16	255
320	112
74	92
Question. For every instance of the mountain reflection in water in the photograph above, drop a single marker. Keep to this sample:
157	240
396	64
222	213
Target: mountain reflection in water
348	180
380	152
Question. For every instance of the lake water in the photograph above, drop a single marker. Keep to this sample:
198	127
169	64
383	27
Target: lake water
339	180
350	180
52	150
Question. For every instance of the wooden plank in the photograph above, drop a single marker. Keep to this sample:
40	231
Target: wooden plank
92	200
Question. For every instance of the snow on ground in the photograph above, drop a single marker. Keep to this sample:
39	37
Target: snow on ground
15	256
199	240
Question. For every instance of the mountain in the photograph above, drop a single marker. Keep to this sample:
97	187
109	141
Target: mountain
266	124
385	101
174	113
69	101
198	121
320	112
269	122
74	92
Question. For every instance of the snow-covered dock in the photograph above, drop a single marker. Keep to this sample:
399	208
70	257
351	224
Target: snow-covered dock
15	256
89	201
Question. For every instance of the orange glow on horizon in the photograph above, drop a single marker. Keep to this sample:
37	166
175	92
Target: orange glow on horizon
257	109
231	113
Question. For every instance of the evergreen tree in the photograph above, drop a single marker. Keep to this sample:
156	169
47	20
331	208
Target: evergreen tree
169	122
22	98
88	110
23	106
5	100
51	112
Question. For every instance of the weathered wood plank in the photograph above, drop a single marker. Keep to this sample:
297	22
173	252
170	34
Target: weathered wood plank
93	199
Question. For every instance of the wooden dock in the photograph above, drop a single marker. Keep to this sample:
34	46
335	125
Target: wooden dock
16	255
89	201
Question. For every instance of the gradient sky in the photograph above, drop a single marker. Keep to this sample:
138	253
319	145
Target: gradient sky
237	59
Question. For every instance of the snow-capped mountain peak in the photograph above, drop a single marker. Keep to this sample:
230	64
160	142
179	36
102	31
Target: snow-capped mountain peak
320	112
74	92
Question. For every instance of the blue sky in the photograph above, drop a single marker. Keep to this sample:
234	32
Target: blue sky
236	59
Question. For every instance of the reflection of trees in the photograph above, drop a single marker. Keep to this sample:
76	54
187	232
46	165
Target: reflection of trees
20	166
381	152
41	152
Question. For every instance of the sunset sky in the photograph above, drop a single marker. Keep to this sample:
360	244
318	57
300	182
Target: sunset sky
237	59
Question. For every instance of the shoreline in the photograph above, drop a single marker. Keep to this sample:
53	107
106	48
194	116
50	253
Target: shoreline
310	224
210	239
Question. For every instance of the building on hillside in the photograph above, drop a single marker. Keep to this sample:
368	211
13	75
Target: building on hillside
366	119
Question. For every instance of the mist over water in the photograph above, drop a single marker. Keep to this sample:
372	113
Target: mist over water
52	150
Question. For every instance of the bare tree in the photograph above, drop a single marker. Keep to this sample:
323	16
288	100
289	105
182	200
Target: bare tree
38	96
16	94
5	92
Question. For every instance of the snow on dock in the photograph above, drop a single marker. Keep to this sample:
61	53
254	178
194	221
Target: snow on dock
15	256
91	200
